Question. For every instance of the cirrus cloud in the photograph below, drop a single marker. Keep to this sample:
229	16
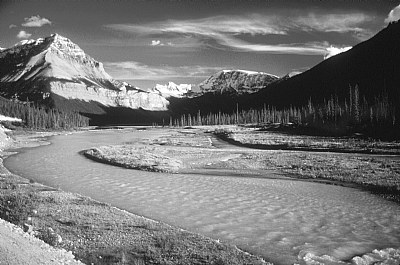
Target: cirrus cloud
228	31
35	21
134	70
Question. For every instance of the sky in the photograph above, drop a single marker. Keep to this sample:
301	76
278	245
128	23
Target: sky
157	41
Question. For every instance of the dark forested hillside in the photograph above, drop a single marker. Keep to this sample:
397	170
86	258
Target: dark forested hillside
373	65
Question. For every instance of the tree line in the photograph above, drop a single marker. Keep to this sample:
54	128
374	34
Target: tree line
36	117
351	113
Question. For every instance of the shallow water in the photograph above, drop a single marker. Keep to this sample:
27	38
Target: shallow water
285	221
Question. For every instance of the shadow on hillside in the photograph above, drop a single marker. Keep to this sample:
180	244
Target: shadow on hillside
127	116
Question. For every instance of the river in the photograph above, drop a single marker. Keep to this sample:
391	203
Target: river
285	221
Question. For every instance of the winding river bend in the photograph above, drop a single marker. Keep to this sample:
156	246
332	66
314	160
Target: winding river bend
284	221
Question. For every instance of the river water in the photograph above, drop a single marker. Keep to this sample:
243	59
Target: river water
285	221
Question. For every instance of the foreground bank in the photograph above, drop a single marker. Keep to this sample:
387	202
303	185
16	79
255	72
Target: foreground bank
98	233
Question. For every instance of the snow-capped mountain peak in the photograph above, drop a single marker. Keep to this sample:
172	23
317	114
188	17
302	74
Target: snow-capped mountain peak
171	89
54	56
38	69
65	45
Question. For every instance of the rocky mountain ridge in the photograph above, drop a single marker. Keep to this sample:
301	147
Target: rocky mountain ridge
237	81
54	67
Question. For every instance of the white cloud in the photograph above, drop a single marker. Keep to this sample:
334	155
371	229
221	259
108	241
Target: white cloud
23	35
225	30
155	42
35	21
394	15
12	26
159	43
332	51
133	70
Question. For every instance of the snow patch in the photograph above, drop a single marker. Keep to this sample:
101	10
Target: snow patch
6	118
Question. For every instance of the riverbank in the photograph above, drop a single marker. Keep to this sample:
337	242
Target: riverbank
98	233
191	150
369	164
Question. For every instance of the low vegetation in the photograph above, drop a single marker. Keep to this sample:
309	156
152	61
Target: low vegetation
276	138
142	158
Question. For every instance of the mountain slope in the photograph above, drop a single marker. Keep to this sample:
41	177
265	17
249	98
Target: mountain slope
56	72
373	65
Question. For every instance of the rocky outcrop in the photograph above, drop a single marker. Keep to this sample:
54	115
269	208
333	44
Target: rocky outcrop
36	70
236	81
134	99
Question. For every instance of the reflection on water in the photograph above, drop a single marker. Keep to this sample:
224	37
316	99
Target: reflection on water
284	221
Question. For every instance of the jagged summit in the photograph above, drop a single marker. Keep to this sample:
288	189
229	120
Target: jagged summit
52	67
65	45
53	56
53	38
54	41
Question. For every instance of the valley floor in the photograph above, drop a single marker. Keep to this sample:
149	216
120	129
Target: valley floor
101	234
370	165
93	232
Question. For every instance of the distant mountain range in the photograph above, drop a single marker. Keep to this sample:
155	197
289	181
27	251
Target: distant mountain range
55	72
172	90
